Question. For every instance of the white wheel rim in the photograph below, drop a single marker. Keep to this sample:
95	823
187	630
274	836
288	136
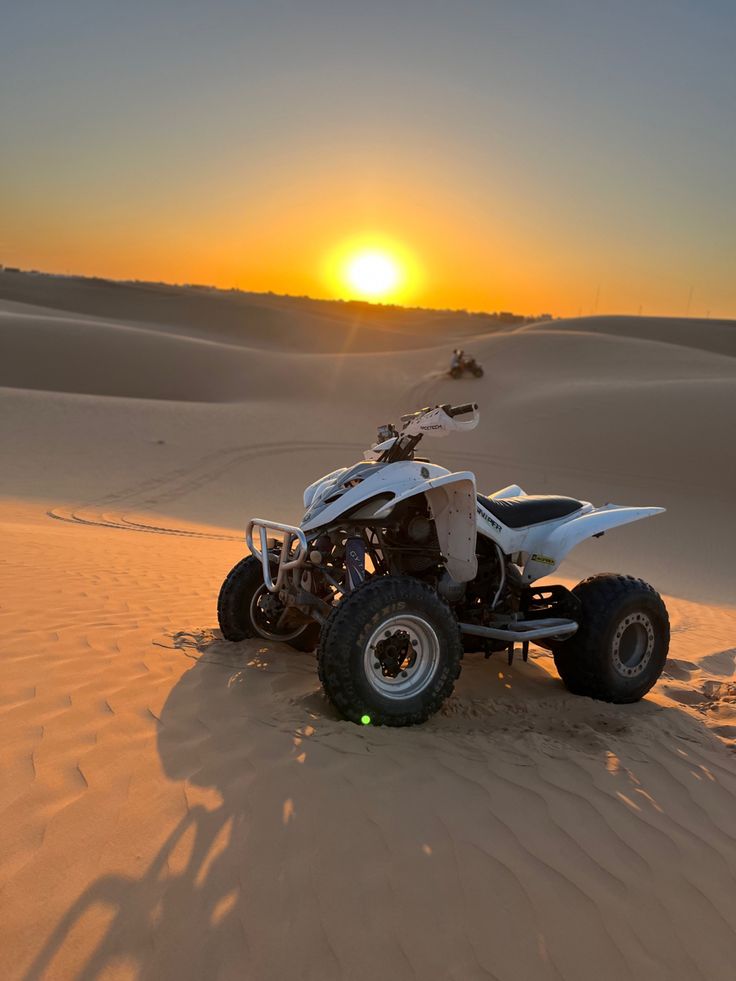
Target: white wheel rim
257	614
633	644
404	632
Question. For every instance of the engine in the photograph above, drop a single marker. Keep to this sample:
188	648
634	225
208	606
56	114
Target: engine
411	540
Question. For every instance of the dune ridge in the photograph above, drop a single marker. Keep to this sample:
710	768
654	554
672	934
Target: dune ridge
258	320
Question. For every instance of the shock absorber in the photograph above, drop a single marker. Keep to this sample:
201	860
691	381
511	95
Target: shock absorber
354	561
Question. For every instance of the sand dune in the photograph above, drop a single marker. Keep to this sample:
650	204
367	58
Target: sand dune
254	320
718	336
175	806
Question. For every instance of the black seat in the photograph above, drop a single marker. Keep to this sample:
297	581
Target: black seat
518	512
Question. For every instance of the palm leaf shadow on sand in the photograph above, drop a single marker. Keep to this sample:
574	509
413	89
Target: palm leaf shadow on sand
297	824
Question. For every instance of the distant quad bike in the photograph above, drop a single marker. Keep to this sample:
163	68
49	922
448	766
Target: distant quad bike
399	566
462	363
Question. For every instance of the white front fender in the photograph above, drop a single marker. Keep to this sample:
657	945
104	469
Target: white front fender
547	549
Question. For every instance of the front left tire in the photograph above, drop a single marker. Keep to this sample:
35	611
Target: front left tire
390	652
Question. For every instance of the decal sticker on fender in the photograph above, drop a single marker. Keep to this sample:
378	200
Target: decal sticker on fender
544	559
489	520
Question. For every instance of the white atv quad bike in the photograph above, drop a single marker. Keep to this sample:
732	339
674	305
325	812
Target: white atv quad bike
399	566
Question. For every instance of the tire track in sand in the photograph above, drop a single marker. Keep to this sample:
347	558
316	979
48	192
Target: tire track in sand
174	484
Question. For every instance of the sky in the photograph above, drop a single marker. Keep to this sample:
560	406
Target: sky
562	156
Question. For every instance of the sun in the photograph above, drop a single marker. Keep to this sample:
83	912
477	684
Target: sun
373	274
373	267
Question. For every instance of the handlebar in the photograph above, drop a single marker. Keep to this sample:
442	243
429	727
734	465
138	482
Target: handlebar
460	410
424	422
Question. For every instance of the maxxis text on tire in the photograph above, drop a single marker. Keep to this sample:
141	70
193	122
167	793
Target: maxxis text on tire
344	651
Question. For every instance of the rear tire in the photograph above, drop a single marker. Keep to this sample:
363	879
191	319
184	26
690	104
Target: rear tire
239	613
390	652
620	648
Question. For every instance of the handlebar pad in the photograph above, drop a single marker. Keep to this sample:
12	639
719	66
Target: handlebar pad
461	410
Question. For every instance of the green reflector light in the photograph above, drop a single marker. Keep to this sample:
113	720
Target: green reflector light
365	719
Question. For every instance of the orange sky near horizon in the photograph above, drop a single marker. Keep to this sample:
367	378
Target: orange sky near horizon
456	261
476	252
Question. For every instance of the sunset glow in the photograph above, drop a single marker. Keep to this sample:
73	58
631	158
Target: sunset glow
373	274
372	267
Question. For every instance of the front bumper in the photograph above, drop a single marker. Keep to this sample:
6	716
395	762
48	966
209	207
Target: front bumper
293	551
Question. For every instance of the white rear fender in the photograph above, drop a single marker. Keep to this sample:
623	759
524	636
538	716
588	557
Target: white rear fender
547	547
513	490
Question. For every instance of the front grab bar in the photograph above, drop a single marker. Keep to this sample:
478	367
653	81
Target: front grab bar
286	560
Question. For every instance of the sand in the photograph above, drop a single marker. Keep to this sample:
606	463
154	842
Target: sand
174	806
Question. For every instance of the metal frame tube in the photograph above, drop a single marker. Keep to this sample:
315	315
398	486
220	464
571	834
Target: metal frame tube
523	630
287	560
502	561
